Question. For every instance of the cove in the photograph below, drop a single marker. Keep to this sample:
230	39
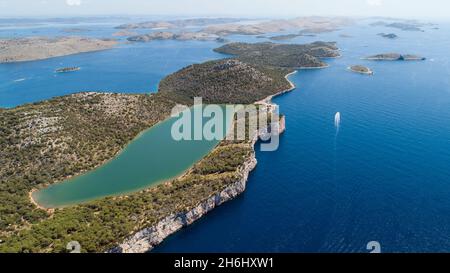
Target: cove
153	157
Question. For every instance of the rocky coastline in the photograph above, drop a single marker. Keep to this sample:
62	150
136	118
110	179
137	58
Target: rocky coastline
147	239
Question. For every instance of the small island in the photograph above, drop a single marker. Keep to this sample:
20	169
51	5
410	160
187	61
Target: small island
67	69
361	69
395	57
388	36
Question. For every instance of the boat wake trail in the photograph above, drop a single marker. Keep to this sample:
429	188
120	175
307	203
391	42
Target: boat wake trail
337	125
337	122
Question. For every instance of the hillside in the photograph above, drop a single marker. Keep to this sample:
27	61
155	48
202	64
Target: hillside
224	81
290	56
49	141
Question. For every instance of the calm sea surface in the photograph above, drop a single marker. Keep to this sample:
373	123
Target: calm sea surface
383	177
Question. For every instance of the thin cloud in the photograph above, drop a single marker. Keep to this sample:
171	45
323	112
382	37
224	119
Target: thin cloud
73	2
374	3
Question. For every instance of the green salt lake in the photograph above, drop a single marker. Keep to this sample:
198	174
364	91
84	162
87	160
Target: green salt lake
153	157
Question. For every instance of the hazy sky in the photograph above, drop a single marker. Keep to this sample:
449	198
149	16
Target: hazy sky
397	8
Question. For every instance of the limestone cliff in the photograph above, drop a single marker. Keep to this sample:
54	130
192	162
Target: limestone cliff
146	239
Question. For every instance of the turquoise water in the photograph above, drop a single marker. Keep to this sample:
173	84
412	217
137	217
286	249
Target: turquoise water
151	158
384	177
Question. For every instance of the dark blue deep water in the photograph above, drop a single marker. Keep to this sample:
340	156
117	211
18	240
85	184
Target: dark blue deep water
384	177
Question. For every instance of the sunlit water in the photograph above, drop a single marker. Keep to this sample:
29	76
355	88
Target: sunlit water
384	177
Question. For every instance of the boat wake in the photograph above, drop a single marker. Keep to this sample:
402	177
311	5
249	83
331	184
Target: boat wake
337	122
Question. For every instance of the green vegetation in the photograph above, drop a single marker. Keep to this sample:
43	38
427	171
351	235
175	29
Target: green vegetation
47	142
50	141
99	225
282	55
225	81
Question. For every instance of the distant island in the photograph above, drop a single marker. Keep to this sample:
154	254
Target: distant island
309	25
389	35
75	30
361	69
292	36
395	57
123	33
284	37
184	36
282	55
408	25
178	23
215	29
67	69
38	48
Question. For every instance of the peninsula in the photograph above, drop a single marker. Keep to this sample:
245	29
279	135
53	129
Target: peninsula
38	48
87	129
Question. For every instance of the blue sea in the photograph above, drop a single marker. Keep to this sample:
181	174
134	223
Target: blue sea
383	176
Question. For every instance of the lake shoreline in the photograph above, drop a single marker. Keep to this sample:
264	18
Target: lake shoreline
147	239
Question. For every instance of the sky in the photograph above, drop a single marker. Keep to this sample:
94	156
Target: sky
256	8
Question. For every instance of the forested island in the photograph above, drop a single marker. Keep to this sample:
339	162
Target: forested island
283	55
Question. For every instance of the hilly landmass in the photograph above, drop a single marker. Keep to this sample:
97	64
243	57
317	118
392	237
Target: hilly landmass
291	56
50	141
